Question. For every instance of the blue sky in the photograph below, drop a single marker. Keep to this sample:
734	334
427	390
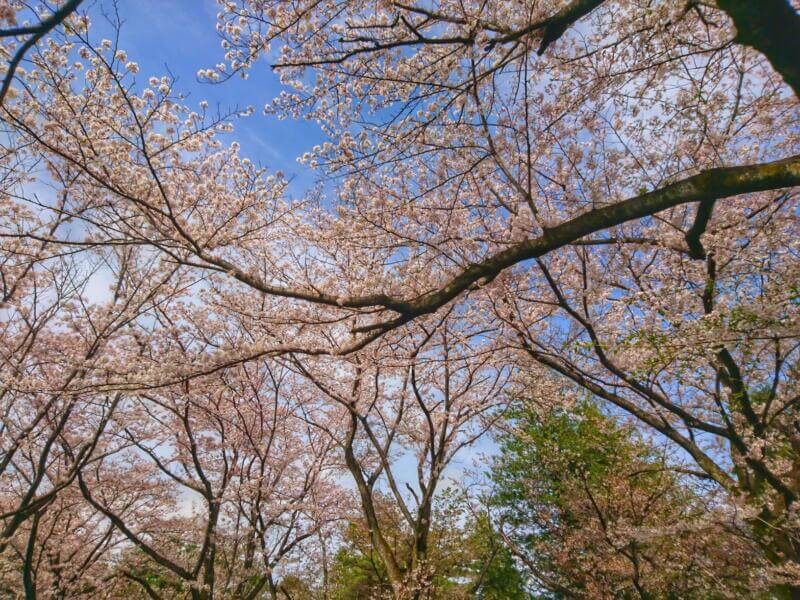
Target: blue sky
179	36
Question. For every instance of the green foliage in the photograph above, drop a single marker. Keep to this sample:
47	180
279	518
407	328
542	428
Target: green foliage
499	579
592	506
295	588
547	452
357	572
466	558
159	578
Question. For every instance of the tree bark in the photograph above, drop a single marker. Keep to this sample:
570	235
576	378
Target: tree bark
773	28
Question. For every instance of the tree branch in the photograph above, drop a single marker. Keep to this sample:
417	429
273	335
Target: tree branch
558	23
773	28
712	184
704	210
36	32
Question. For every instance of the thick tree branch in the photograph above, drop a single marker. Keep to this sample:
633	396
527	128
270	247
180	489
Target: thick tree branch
712	184
558	23
551	28
773	28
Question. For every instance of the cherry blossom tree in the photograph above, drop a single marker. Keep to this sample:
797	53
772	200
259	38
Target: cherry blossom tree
31	33
585	154
461	152
52	337
605	190
64	551
423	398
447	111
242	482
